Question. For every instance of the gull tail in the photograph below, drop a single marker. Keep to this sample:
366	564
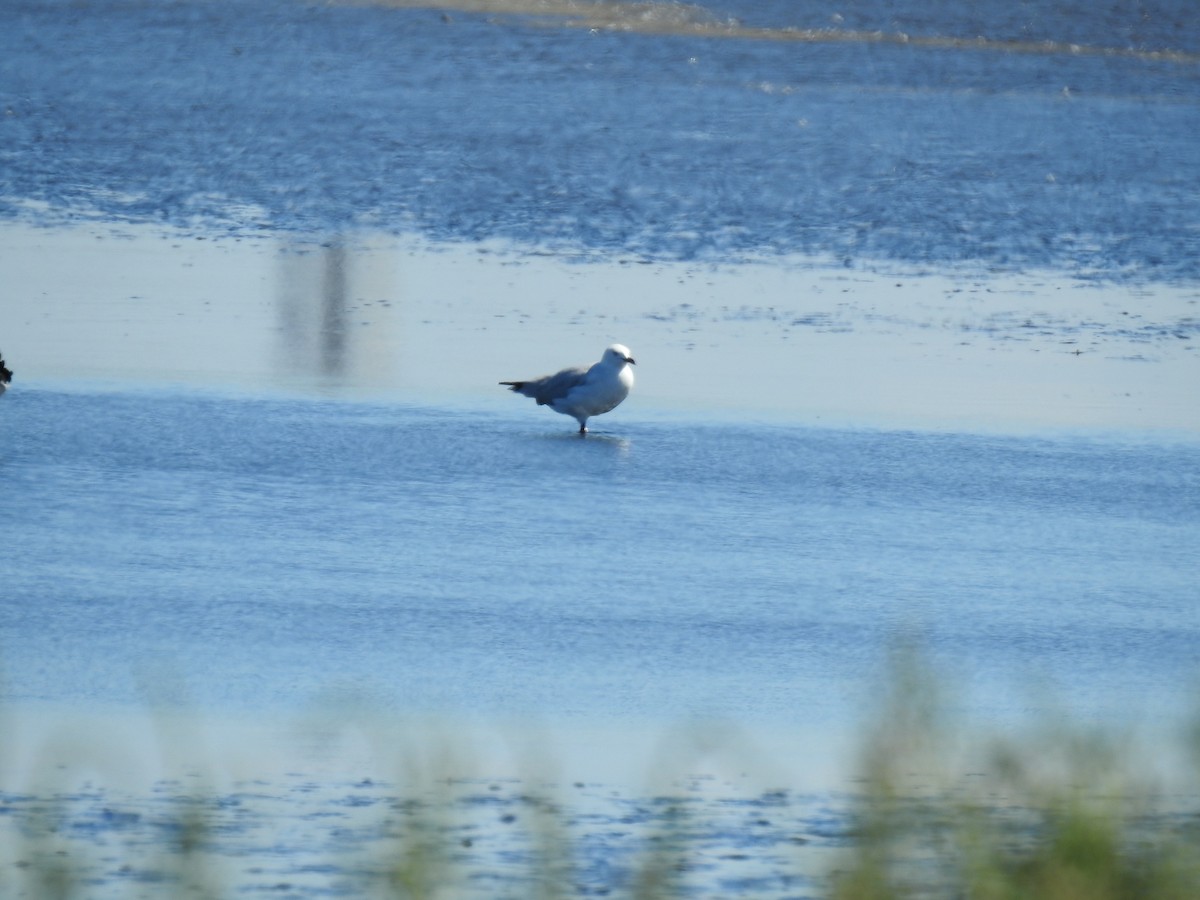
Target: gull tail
518	387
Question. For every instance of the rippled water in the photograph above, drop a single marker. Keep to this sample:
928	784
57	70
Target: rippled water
469	126
653	571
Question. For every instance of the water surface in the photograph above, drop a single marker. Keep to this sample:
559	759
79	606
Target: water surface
669	144
913	290
473	563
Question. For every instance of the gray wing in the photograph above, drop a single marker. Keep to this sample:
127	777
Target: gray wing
549	388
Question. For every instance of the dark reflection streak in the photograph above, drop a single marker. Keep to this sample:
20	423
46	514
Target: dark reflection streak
334	304
333	325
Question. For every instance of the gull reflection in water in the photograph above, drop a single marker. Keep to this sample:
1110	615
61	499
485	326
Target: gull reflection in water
336	316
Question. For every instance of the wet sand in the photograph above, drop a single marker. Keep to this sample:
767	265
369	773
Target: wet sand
801	342
339	801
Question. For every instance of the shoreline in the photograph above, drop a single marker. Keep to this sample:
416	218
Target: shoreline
800	341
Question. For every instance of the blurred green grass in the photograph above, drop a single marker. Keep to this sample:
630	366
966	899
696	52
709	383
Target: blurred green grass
1053	810
1056	811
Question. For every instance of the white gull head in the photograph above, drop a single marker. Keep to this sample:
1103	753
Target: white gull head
618	355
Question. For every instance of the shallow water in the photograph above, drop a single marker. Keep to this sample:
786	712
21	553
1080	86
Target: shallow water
916	323
473	563
550	605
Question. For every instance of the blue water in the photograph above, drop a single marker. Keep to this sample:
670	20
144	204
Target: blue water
251	553
664	570
264	551
274	115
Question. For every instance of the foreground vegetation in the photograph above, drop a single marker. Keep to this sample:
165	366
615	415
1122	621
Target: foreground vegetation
1060	813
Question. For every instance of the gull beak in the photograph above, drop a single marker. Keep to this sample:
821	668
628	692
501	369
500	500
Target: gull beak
630	360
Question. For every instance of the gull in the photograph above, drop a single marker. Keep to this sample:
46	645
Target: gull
581	392
5	375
